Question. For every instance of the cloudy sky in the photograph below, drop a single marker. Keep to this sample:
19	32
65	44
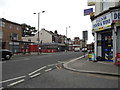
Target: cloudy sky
58	15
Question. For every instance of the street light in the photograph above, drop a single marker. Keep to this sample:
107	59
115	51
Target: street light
38	28
66	36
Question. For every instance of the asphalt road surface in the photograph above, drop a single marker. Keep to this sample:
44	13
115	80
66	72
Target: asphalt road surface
19	66
46	71
61	78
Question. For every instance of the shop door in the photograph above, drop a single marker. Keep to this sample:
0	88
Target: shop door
107	46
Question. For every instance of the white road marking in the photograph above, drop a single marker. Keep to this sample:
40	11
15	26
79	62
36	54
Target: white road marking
78	58
1	88
48	70
61	61
12	79
37	70
12	84
35	75
3	62
51	65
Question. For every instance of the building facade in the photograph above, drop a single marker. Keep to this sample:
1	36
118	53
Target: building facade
48	41
12	34
106	30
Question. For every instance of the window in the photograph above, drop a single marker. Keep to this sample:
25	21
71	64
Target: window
29	40
0	23
3	24
14	36
11	26
18	28
106	4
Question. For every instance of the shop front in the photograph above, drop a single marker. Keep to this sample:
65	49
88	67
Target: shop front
107	46
106	29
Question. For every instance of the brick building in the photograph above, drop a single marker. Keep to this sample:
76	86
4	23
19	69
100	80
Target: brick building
12	35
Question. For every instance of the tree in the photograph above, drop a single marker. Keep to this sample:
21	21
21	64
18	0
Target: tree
28	30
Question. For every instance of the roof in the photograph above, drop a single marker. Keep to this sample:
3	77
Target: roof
52	33
5	20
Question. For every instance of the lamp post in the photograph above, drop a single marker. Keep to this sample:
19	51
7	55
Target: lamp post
66	36
38	39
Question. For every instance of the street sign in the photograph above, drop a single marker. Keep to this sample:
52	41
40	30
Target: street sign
85	35
88	11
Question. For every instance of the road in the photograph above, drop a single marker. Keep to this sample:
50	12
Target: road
46	71
22	66
61	78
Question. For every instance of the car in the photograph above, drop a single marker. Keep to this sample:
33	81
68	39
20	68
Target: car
76	49
6	54
84	49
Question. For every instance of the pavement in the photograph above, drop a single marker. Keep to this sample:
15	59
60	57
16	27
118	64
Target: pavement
84	65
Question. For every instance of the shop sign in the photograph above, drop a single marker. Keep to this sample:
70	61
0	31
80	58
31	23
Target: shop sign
103	21
116	16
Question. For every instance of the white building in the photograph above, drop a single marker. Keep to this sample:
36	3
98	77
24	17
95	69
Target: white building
44	37
106	29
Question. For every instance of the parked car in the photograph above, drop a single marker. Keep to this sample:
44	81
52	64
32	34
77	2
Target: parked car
6	54
76	49
84	49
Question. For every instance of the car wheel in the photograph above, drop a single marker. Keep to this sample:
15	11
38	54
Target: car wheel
7	57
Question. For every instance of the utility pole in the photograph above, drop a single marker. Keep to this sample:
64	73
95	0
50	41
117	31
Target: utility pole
66	37
38	30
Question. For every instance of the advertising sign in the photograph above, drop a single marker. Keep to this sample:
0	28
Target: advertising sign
116	16
88	11
101	22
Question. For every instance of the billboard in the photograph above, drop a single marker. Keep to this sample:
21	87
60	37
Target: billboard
88	11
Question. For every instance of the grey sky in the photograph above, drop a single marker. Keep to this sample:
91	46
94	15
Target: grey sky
58	15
